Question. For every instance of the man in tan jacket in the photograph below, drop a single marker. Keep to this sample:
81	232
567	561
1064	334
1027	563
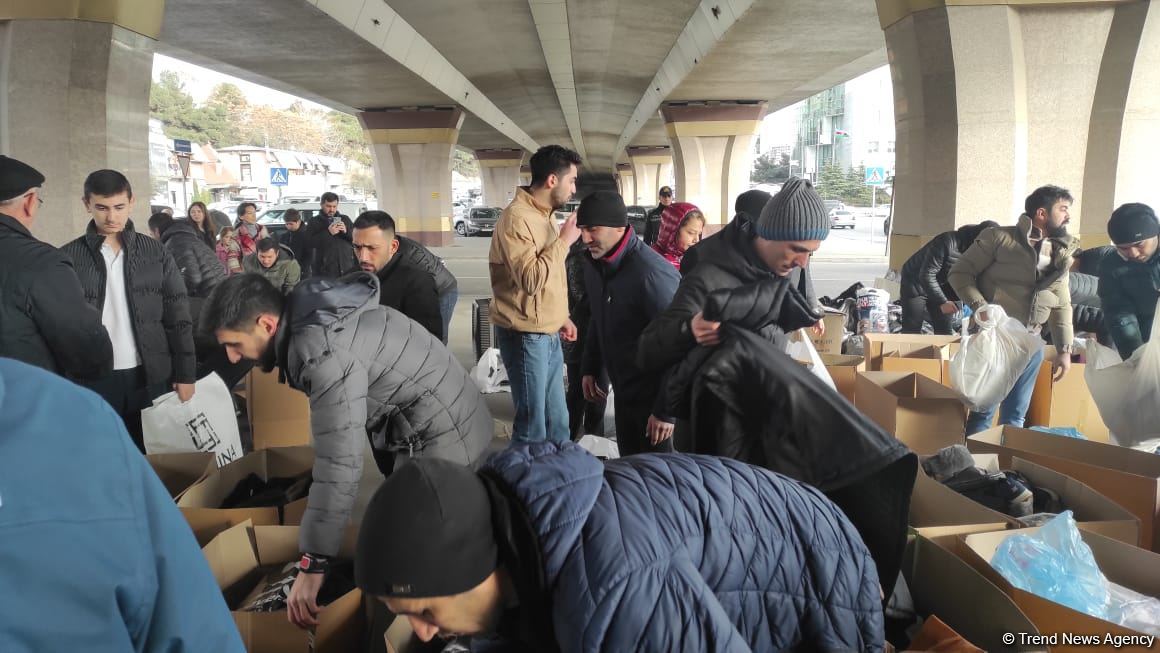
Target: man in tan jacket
530	295
1023	269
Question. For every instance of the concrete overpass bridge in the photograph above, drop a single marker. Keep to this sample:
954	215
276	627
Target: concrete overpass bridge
992	98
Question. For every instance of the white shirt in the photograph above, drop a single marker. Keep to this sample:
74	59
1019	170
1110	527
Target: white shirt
115	315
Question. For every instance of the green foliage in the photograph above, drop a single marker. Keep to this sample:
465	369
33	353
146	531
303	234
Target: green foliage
770	168
846	185
201	194
463	162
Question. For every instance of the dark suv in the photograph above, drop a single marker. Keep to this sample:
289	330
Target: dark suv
477	220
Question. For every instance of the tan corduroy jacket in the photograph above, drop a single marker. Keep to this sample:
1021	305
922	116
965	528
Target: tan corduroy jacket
529	285
1000	268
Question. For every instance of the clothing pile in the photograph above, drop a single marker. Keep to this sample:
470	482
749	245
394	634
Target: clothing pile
253	492
1007	492
271	594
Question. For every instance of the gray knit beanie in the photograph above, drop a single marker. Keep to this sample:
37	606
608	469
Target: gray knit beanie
795	213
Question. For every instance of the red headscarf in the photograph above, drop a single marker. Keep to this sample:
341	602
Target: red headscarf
671	219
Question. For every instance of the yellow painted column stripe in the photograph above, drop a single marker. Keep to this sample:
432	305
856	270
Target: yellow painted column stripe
423	224
141	16
412	136
713	128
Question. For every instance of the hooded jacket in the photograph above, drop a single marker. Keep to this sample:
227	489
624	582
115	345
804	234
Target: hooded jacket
370	371
687	553
1128	292
44	320
284	274
925	273
198	262
162	327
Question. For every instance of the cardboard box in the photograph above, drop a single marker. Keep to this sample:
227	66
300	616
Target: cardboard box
1121	563
179	471
844	371
945	586
877	345
1093	511
239	557
921	412
1128	477
831	341
279	415
936	506
1065	403
930	361
200	503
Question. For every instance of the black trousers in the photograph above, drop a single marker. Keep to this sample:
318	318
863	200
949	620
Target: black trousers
917	309
128	394
583	416
632	427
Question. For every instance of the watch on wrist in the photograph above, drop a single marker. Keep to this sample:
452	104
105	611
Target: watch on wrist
313	564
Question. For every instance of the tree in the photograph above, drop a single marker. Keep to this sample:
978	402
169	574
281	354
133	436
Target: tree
362	181
770	168
345	139
173	106
463	162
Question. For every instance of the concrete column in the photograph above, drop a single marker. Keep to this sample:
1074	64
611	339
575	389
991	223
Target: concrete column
713	154
74	98
652	166
412	160
993	101
500	173
627	182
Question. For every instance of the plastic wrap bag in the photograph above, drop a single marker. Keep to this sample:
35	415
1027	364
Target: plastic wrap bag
802	349
1063	431
989	363
1125	391
489	373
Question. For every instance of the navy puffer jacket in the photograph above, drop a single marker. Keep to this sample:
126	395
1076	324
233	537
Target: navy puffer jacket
666	552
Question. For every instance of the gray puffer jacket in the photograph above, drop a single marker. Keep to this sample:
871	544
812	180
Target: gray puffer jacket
370	371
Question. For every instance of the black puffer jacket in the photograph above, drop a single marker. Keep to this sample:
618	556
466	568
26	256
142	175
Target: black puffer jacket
44	320
157	302
1086	314
331	255
422	258
200	267
579	310
925	273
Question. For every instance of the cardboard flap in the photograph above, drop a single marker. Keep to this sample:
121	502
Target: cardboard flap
231	555
342	625
216	486
279	544
1086	503
876	345
933	504
928	388
1108	456
179	471
841	360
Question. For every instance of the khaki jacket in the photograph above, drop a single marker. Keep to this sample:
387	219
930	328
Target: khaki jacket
1000	268
529	285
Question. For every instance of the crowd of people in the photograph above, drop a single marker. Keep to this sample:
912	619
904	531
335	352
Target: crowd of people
745	533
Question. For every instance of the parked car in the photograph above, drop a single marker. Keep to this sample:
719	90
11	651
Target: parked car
834	205
230	207
271	218
477	220
841	219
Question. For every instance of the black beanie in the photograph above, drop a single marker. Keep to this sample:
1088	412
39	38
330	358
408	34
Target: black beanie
17	178
426	533
603	208
797	212
750	203
1132	223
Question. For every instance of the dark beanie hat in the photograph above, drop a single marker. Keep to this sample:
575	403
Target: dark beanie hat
795	213
17	178
427	532
1132	223
750	203
603	208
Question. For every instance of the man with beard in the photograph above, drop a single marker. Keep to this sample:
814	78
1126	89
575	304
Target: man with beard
329	241
530	294
1023	269
402	286
369	373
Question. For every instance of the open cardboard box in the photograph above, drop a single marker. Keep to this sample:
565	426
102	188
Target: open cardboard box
1128	477
238	557
279	414
180	471
1065	403
930	361
921	412
844	370
877	345
943	585
831	341
1121	563
937	510
200	503
1093	511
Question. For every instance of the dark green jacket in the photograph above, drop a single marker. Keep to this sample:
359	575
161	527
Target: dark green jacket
1128	293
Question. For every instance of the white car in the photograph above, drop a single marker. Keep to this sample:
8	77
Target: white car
271	218
841	219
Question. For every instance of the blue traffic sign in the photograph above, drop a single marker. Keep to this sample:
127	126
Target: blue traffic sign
876	176
279	176
182	145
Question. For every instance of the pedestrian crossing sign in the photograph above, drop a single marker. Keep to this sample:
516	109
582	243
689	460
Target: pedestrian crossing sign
279	176
876	176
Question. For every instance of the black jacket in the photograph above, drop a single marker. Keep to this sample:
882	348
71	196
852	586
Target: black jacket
411	291
44	320
199	265
731	263
925	273
157	302
298	242
1086	314
579	309
331	256
422	258
652	224
1128	293
626	293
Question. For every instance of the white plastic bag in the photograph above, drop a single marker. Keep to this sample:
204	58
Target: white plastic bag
1127	393
600	447
989	363
802	349
205	423
489	373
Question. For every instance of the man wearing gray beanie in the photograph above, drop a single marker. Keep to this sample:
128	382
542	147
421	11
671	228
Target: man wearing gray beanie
1128	280
791	227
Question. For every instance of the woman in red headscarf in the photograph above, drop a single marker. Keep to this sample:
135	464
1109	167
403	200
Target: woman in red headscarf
681	227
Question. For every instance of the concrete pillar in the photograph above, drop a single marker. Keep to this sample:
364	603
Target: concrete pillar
713	154
993	101
500	173
74	98
525	175
652	167
627	182
411	151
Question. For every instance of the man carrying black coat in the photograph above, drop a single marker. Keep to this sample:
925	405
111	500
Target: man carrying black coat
629	284
44	320
926	293
329	235
402	286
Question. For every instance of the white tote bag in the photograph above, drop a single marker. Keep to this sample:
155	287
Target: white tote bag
802	349
205	423
989	363
1127	393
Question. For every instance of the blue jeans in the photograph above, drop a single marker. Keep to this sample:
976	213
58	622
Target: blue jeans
446	310
535	369
1013	410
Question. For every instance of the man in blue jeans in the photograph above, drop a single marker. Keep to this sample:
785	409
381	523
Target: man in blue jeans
530	294
1024	269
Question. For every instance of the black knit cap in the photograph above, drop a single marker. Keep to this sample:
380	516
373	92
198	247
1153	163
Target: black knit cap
427	532
17	178
603	208
750	203
1132	223
797	212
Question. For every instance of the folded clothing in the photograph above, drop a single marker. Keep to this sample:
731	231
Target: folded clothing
1008	492
253	492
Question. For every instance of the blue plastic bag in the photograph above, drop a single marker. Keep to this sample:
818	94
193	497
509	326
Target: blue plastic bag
1065	431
